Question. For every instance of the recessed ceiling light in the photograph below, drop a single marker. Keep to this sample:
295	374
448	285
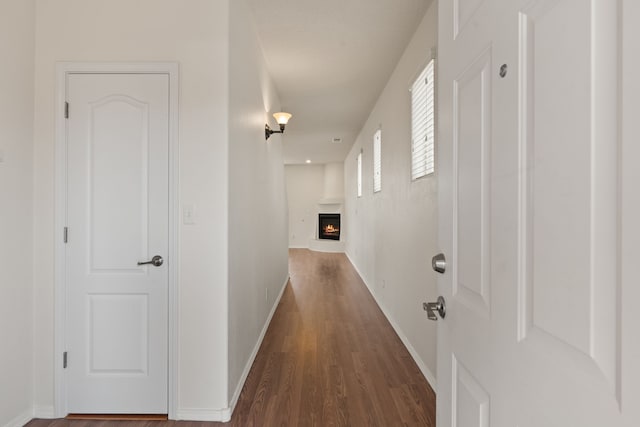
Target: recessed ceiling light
308	161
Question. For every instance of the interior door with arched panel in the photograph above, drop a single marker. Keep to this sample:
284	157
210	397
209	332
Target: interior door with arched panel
117	248
532	208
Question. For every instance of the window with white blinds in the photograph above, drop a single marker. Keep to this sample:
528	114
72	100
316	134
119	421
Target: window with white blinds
377	161
422	123
359	178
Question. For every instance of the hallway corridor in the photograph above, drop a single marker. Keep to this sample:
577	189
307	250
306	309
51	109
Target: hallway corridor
329	358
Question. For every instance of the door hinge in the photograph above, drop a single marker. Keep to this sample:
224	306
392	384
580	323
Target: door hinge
65	235
66	110
64	360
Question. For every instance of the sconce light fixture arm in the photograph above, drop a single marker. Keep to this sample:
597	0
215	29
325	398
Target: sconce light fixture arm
282	119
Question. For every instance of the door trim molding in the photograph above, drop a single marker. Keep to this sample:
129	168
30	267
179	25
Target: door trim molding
63	69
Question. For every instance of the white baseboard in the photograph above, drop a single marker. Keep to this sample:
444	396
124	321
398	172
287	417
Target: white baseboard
364	280
197	414
44	411
20	420
428	375
331	246
252	358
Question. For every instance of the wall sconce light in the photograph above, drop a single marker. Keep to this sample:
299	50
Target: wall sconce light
282	118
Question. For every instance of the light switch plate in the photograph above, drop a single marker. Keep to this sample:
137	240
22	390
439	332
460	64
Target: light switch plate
188	214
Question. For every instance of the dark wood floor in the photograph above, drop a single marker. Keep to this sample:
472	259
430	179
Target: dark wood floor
329	358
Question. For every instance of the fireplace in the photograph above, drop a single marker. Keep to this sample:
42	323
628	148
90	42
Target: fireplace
329	226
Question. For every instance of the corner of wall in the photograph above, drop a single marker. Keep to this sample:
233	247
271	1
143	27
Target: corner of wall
256	190
197	38
203	414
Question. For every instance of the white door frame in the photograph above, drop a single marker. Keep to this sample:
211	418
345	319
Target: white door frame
63	69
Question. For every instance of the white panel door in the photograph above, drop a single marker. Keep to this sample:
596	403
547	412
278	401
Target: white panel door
534	214
117	216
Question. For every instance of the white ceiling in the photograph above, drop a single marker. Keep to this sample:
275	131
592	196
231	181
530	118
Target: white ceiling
330	59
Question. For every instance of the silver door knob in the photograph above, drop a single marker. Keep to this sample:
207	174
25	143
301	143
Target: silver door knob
432	307
439	263
156	261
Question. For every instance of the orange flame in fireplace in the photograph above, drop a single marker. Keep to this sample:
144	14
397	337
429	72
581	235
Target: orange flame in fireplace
330	229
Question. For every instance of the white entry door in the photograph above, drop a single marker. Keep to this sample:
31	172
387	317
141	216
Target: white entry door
117	216
538	187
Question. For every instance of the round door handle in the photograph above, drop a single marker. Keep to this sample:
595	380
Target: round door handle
156	261
439	263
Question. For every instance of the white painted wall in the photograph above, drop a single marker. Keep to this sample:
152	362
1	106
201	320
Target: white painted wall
16	210
196	36
258	218
305	187
391	235
333	181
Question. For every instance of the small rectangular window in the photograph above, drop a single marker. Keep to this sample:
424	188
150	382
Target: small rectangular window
377	161
360	174
423	123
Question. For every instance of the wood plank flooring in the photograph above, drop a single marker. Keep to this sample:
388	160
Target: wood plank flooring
329	358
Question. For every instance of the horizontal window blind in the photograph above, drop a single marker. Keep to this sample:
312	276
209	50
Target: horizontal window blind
423	123
377	161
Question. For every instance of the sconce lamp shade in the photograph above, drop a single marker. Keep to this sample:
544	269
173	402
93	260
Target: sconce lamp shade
282	118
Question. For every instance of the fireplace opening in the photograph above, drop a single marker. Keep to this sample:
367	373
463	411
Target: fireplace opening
329	226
